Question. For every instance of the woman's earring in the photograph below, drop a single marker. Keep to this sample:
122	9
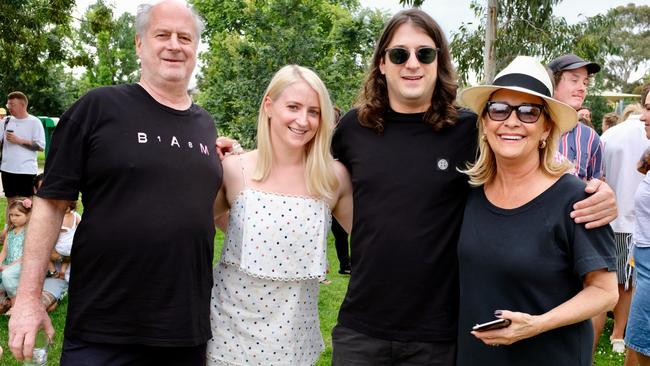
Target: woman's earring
483	137
542	144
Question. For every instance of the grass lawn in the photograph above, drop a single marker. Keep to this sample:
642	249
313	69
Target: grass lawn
331	297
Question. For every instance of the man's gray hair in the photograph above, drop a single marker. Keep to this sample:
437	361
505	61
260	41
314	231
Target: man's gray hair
144	11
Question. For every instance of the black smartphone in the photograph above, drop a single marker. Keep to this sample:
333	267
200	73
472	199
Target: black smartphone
494	324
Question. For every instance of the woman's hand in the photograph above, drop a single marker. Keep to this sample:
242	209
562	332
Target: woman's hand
521	326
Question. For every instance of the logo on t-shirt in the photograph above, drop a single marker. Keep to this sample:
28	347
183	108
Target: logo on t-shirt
442	164
174	142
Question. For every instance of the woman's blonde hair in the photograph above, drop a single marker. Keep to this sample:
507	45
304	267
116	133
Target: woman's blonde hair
484	169
319	170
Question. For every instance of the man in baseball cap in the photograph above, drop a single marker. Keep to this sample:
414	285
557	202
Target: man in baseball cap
581	145
573	62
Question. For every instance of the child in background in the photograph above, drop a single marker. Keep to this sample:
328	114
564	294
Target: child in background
63	246
12	251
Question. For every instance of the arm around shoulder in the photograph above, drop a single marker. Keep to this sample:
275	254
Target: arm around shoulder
597	210
222	202
220	211
343	207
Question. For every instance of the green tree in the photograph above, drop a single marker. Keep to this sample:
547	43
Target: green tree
631	35
528	27
105	47
413	3
33	40
249	40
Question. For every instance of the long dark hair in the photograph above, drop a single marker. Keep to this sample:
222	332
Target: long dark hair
373	98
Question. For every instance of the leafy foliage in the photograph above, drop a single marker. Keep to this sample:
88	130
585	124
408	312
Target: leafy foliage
39	46
249	40
33	37
105	47
413	3
528	27
631	35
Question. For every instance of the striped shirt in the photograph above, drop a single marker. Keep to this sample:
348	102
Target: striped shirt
582	146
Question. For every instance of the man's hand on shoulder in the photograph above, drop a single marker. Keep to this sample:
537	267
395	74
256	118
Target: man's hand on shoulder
597	210
227	146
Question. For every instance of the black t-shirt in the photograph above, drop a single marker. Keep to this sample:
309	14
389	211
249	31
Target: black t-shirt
408	206
529	259
141	257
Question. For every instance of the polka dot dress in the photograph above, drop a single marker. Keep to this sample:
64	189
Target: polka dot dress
264	308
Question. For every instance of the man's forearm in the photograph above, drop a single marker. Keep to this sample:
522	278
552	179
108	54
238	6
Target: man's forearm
42	233
32	145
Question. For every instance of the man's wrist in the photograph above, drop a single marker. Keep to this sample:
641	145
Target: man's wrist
28	296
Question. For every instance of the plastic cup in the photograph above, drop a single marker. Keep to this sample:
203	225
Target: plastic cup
41	346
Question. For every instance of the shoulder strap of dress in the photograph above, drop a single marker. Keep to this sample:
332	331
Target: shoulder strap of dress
243	175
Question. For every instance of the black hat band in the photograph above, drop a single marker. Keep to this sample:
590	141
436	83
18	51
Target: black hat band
523	81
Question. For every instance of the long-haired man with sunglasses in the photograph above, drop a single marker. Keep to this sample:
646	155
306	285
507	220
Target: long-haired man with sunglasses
402	145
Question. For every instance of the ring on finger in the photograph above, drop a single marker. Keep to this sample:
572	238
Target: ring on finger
237	149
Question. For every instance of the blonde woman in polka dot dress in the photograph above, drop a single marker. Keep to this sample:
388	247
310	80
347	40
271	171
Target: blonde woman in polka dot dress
280	199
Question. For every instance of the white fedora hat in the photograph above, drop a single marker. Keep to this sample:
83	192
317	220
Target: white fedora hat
526	75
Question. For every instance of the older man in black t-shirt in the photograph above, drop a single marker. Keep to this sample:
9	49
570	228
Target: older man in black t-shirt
142	156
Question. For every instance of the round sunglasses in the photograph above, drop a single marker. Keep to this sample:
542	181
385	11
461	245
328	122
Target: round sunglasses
526	112
399	55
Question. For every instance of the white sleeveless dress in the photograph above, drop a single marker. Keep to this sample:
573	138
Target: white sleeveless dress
264	308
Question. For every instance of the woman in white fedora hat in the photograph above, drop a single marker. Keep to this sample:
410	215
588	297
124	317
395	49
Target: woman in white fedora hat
524	264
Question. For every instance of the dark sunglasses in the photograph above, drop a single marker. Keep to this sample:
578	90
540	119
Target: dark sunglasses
399	55
527	112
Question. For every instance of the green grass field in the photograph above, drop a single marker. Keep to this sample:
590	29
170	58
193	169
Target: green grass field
331	297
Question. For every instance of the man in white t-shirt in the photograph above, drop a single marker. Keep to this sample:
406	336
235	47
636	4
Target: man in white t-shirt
22	137
623	146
